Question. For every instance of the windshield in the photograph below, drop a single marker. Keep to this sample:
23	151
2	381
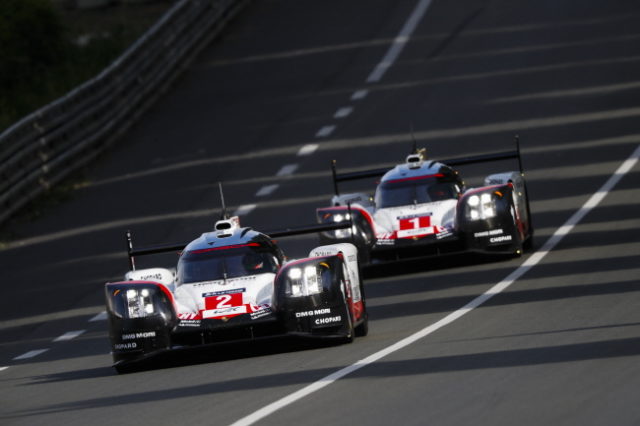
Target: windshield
402	192
218	264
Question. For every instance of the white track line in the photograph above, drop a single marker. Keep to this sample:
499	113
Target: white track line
3	368
325	131
267	190
244	209
69	335
102	316
343	112
533	260
30	354
287	170
307	149
359	94
400	41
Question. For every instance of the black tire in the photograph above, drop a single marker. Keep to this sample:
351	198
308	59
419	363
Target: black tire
124	368
363	328
350	331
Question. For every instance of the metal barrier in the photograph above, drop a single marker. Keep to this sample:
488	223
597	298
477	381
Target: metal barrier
44	147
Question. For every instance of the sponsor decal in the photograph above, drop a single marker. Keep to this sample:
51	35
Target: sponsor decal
444	233
328	320
313	313
140	335
189	323
229	281
261	313
233	310
324	253
500	239
125	346
413	216
404	233
488	233
187	315
352	258
218	293
385	242
156	276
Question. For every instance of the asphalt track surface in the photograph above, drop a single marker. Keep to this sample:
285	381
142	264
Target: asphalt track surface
560	345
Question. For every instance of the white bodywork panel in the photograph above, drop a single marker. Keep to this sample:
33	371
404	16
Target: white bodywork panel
160	275
359	198
415	219
224	298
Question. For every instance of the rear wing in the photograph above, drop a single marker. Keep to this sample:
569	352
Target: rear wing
458	161
165	248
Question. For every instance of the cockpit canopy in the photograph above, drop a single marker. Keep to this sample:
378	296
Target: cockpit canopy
212	264
416	190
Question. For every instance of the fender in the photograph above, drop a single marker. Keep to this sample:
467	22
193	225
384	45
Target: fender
311	297
488	220
141	316
364	236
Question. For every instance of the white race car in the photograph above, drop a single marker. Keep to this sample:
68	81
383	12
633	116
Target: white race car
234	284
422	208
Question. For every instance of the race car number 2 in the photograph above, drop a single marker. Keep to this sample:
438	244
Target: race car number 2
223	301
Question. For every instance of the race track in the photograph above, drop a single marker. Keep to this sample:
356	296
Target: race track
292	85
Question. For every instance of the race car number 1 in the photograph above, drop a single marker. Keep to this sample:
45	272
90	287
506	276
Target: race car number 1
415	222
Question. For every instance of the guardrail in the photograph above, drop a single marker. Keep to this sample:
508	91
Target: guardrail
44	147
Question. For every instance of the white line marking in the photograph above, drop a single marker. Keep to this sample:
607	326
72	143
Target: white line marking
102	316
325	131
30	354
266	190
308	149
359	94
400	41
343	112
244	209
3	368
533	260
287	170
69	335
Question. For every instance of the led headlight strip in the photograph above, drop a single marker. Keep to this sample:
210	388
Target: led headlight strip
304	281
481	206
139	303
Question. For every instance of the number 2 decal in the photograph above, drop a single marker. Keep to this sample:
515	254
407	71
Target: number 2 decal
223	301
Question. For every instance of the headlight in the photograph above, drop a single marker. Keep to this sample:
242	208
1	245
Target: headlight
304	282
339	217
480	207
139	304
